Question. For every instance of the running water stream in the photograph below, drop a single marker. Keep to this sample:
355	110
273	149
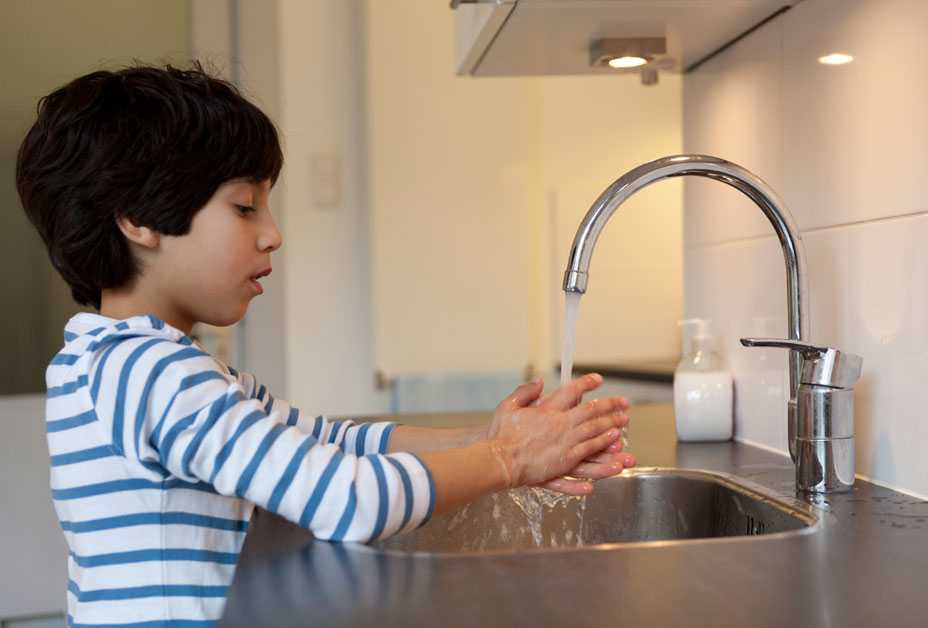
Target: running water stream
572	305
571	309
535	502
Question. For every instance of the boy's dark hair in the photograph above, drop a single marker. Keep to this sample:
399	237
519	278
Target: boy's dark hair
149	143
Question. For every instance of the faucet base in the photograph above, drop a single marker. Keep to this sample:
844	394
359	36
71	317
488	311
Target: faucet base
825	465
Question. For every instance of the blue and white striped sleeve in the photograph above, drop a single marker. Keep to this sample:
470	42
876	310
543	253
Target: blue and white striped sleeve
173	406
367	438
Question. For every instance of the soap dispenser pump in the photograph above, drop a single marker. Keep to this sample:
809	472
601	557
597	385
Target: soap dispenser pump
702	387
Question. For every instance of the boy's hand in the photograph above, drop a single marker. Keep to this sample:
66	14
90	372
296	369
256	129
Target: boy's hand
537	440
579	481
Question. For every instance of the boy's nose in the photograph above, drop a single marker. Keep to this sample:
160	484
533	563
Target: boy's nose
270	239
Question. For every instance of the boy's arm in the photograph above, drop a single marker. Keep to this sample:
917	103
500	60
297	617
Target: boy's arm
177	412
195	421
384	437
422	439
388	437
360	440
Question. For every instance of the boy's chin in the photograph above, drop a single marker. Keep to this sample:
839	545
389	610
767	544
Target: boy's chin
224	319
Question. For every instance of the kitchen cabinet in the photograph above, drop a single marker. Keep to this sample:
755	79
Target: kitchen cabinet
553	37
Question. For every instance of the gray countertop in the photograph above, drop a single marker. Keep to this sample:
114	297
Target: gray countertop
866	565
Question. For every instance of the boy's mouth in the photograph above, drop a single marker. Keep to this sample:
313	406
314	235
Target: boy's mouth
254	280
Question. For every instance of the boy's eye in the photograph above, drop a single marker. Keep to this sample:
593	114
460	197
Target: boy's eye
245	209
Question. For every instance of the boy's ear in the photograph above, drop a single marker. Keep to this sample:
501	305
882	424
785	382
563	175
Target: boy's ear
143	236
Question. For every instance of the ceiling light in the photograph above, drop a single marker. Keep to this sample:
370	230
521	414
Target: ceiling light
835	58
621	53
627	62
644	56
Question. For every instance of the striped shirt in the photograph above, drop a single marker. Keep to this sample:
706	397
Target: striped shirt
159	454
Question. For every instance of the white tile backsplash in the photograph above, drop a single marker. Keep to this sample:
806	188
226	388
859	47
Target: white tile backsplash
741	287
856	134
731	109
866	296
846	147
868	289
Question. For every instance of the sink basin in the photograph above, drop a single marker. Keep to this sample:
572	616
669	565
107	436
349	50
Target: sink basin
639	505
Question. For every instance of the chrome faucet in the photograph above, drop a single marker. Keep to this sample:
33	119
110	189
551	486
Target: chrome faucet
821	418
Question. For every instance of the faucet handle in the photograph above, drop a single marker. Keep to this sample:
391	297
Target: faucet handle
821	366
805	348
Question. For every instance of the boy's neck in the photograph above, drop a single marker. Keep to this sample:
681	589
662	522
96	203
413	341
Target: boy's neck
126	303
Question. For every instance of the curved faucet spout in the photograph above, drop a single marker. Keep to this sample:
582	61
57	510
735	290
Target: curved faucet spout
577	273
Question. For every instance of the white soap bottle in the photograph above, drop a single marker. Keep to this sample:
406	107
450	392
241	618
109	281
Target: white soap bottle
702	388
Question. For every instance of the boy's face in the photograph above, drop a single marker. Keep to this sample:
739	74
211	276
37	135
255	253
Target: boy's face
211	274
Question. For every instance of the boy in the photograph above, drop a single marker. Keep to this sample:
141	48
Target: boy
149	186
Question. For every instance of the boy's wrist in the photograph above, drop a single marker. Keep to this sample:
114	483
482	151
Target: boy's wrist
468	436
478	433
503	461
495	461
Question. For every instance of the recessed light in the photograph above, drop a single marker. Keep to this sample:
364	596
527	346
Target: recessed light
627	62
836	58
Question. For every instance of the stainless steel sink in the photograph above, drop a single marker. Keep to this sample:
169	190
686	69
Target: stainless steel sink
640	505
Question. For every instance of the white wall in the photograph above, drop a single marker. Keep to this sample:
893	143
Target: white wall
845	148
594	129
458	201
264	331
454	187
239	41
477	188
329	366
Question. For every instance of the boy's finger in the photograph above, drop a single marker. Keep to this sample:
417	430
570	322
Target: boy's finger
584	449
620	402
597	470
523	395
624	403
607	457
602	466
599	407
541	400
570	486
593	428
569	395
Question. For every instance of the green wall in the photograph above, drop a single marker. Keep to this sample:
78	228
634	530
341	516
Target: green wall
44	44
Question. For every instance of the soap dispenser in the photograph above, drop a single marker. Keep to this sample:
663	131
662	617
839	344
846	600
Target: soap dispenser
702	387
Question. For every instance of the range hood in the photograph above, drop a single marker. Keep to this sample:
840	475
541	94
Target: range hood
556	37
